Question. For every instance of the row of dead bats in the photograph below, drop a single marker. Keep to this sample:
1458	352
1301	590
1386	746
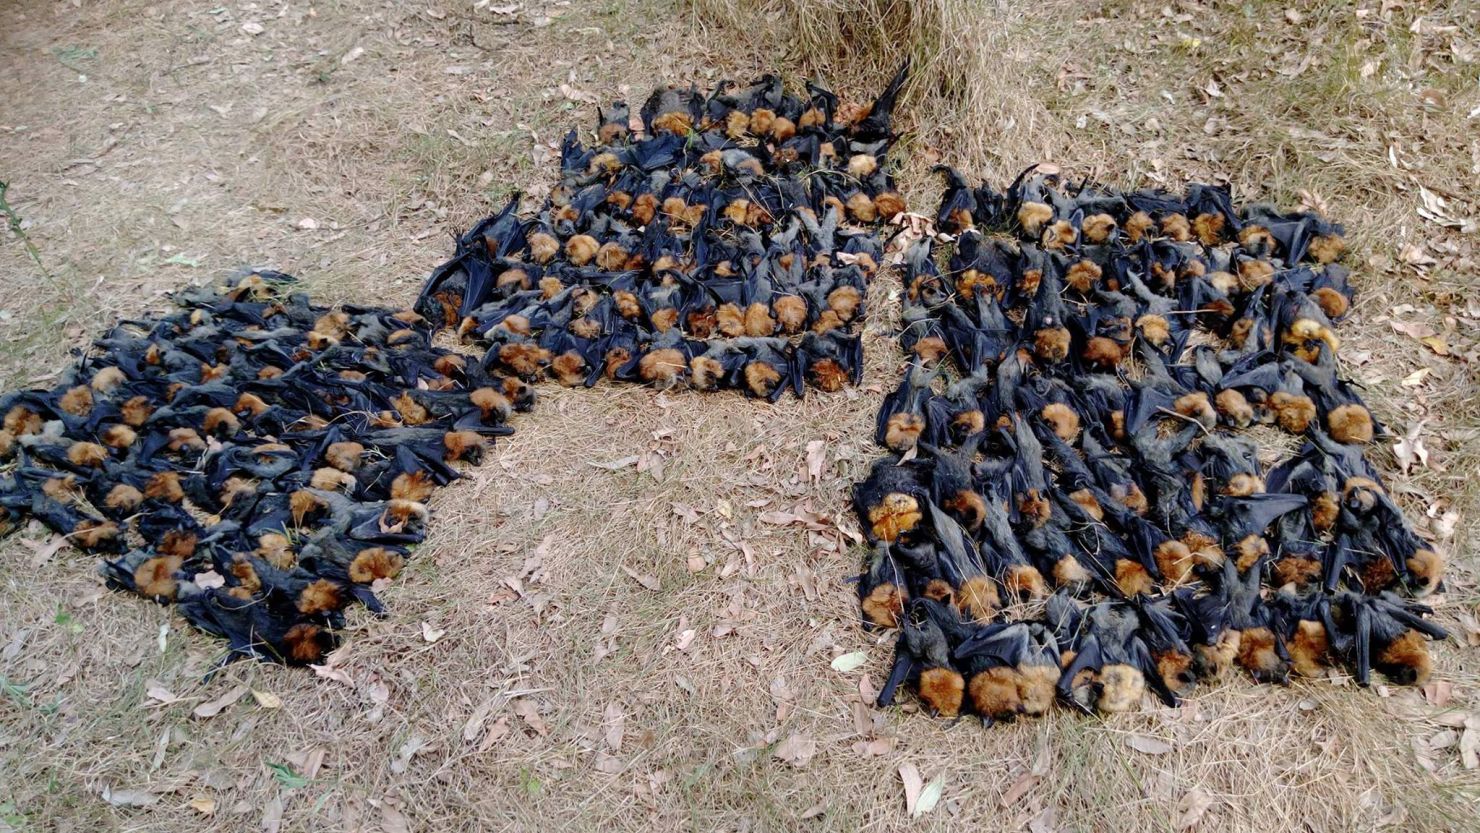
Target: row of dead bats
1072	509
1083	512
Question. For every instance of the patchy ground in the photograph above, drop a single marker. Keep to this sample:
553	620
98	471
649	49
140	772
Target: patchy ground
628	617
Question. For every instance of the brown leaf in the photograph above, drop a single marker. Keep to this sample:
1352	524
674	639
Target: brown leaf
1148	745
913	785
1192	807
816	456
392	820
214	707
1437	344
797	750
1416	330
607	762
649	581
129	798
1438	692
204	806
474	727
530	712
267	699
1019	788
272	815
615	721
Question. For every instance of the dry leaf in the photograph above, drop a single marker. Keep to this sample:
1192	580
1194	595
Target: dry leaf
530	712
614	465
1019	788
1437	344
474	727
615	721
797	750
215	707
1469	748
816	455
1416	378
607	762
1147	744
930	796
393	820
1410	449
1192	807
129	798
849	662
267	699
648	581
431	634
204	806
155	691
329	672
272	816
913	786
685	639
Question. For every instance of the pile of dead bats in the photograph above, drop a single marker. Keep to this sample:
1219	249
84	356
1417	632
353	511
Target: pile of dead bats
254	459
262	462
1078	507
727	245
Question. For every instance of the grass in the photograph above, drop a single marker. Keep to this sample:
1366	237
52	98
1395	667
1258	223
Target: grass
999	85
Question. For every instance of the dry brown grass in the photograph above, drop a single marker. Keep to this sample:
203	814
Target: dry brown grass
365	146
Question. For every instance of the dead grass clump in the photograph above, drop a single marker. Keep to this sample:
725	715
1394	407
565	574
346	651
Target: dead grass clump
968	58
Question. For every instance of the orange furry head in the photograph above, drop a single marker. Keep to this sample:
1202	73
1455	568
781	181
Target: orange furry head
942	689
1052	344
155	577
977	598
1024	580
1350	423
1121	687
319	596
895	515
305	642
375	563
902	431
1033	216
845	301
995	693
883	605
827	375
761	378
1063	419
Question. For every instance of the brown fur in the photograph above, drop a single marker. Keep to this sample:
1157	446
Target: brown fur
861	208
791	313
123	497
1234	408
1427	568
87	455
93	534
1293	412
462	445
304	643
220	421
178	542
940	590
995	693
569	369
931	349
827	375
1257	240
1248	551
20	421
1377	573
1089	503
1209	228
274	548
1253	274
895	515
1103	352
1406	659
971	282
415	486
1324	510
1174	560
758	321
1028	281
1063	419
410	411
1243	485
1204	549
329	478
155	577
662	368
1132	578
375	563
1083	275
542	247
1068	572
1036	687
182	439
1331	302
320	596
1327	248
1035	507
1051	344
581	249
1121	687
890	205
246	576
1257	654
862	165
1176	227
845	301
1098	227
883	605
1139	225
1297	570
942	690
251	403
977	598
705	373
1196	406
1024	580
108	378
1309	649
761	378
1154	329
1033	216
234	487
78	401
902	431
676	122
1350	423
969	507
525	360
730	321
1060	235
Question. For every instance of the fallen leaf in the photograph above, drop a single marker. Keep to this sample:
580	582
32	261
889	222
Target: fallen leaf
913	786
1469	748
474	727
1192	807
207	579
267	699
685	639
204	806
649	581
393	820
329	672
614	465
930	796
1416	378
797	750
849	662
155	691
1148	745
129	798
1019	788
1410	449
814	811
607	762
816	456
214	707
530	712
272	817
615	721
431	634
1437	344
